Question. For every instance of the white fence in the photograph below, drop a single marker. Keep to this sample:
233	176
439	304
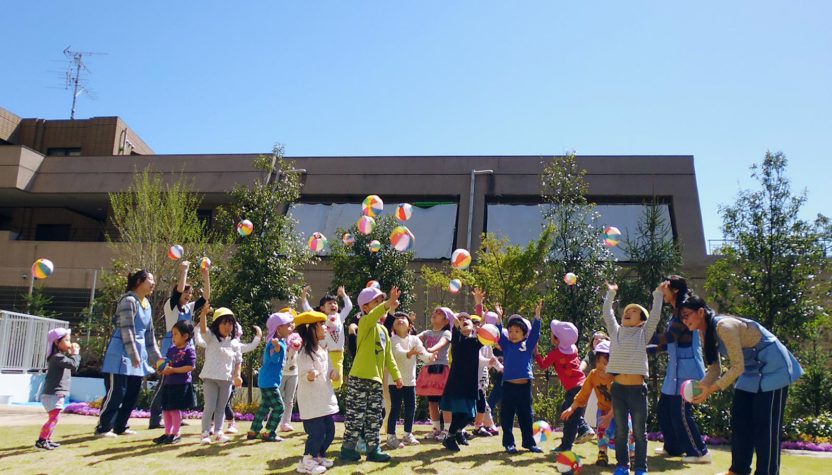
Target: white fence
23	340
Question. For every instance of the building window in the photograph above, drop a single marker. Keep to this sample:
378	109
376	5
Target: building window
433	223
63	152
522	222
53	232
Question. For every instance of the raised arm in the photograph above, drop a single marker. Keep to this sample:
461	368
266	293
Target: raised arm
183	277
304	299
206	283
655	312
345	312
199	336
609	317
255	342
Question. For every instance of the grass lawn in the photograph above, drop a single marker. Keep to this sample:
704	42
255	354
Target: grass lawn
82	453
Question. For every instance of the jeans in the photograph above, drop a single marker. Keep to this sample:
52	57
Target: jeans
121	398
570	428
681	434
630	400
406	394
756	424
320	432
517	399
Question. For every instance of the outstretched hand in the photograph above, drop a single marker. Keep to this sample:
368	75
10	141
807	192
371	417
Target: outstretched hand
611	287
479	296
258	331
538	309
498	309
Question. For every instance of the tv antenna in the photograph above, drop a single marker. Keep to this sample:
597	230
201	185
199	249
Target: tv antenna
74	71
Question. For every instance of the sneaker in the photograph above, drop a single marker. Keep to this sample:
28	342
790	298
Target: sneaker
377	455
511	449
206	439
309	465
350	455
494	430
232	428
641	472
603	460
53	444
155	426
270	437
222	438
558	449
324	462
585	437
451	443
173	439
393	442
410	439
460	438
442	435
705	458
128	431
466	434
106	435
250	435
621	471
660	452
433	435
535	450
43	444
482	432
161	439
285	428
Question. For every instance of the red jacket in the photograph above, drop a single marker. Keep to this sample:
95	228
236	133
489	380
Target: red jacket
568	368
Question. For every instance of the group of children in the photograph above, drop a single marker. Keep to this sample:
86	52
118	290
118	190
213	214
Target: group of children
304	355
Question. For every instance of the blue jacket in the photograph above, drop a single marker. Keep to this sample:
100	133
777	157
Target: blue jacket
517	357
271	371
684	362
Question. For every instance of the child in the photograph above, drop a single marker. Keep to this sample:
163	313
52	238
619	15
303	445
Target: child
334	340
278	326
487	360
405	347
244	348
223	360
628	363
289	382
318	402
564	356
587	365
177	392
433	377
518	347
62	358
460	396
364	392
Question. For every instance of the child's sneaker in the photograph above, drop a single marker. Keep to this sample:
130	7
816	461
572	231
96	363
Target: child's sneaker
251	435
494	430
106	435
128	431
161	439
410	439
270	437
433	435
232	428
285	427
53	444
222	438
535	449
660	452
451	443
704	458
206	438
442	435
511	449
482	432
309	465
377	455
621	471
603	460
641	472
585	436
393	442
350	455
43	444
324	462
460	438
173	439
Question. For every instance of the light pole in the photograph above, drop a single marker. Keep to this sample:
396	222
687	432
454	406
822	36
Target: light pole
474	173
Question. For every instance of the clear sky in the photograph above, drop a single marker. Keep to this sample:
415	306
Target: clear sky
722	81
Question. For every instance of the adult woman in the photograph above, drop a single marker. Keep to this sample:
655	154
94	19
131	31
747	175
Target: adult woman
763	370
681	434
127	358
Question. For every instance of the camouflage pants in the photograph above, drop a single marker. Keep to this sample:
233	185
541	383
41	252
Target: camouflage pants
365	411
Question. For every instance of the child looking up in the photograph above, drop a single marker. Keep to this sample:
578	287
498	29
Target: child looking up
406	347
518	347
487	360
278	327
62	359
334	338
177	392
434	376
364	404
628	363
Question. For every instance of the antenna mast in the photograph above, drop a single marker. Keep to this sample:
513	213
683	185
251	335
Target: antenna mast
73	74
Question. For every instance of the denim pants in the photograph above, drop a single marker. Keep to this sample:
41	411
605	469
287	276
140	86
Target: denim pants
570	427
517	399
756	424
406	394
320	432
630	400
681	434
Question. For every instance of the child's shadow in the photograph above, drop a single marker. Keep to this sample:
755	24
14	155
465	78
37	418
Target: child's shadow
214	449
128	451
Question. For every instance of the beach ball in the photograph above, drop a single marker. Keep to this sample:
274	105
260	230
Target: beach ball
454	285
541	431
317	242
689	390
175	252
372	206
373	283
488	334
294	341
348	239
366	224
205	263
244	228
162	364
42	268
374	246
401	238
404	211
460	259
568	462
612	236
570	278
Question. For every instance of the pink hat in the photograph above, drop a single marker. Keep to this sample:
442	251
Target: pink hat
603	346
491	317
567	335
54	335
275	320
368	294
449	314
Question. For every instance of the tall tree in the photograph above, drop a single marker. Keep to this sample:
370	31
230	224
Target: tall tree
774	262
577	247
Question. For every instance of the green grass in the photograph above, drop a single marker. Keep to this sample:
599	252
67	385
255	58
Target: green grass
81	453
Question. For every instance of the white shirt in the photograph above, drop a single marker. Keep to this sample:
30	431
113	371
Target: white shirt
407	366
315	398
334	335
220	356
628	345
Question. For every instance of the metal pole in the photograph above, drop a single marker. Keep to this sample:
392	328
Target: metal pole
92	301
31	287
471	204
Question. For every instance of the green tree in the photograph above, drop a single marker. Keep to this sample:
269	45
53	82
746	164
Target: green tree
39	304
577	247
775	265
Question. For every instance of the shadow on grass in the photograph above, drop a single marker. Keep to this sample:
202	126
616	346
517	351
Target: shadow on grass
129	451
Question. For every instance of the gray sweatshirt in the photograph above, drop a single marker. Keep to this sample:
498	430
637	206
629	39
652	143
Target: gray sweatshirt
59	373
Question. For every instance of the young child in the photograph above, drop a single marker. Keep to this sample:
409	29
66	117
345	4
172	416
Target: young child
244	348
587	365
628	363
177	392
279	326
406	347
289	382
564	356
518	347
334	340
433	377
315	393
62	358
223	360
364	392
601	382
460	396
487	360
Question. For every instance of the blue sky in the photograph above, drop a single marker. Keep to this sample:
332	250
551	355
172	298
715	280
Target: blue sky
723	81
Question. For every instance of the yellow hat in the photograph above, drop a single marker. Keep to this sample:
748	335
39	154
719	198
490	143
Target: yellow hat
310	317
289	310
644	313
476	318
222	311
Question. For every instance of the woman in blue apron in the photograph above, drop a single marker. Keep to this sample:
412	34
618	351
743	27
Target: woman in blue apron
679	429
178	307
763	370
127	361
